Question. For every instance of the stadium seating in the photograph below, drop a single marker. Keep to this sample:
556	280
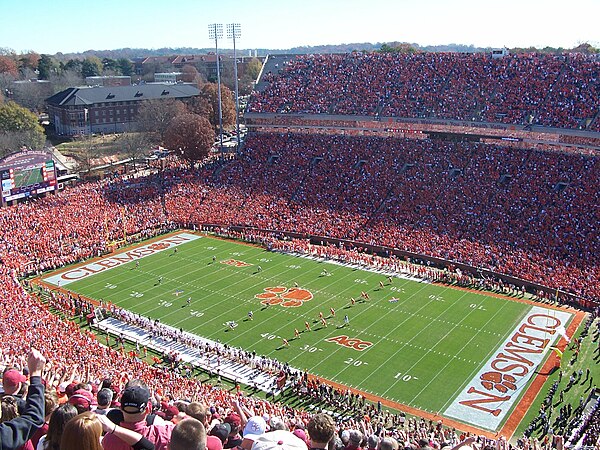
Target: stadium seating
548	90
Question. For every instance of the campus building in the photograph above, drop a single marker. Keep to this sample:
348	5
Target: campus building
102	109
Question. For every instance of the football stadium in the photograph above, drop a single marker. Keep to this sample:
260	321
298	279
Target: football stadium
407	244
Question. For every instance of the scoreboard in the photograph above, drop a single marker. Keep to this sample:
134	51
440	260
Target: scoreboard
28	181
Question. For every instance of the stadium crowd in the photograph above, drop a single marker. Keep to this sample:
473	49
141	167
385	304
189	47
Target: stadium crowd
550	90
488	206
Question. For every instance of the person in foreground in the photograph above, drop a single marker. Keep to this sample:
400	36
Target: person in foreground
14	433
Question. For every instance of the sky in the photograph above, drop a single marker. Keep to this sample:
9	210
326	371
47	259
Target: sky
66	26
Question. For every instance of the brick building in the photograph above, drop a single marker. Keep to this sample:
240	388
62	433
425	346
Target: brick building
87	110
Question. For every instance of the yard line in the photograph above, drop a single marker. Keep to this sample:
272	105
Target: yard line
433	348
501	339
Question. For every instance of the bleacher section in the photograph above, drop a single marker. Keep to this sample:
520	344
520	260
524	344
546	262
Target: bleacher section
549	90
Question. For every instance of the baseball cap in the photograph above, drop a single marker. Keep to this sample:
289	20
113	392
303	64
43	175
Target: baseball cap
221	430
300	433
82	398
254	428
278	440
233	419
134	399
12	378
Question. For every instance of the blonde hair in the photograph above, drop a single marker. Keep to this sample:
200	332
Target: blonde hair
82	432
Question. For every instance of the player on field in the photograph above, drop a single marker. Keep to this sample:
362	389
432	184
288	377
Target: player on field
175	251
381	284
285	342
214	258
258	269
352	301
346	320
324	322
390	279
189	301
160	279
137	263
250	315
321	315
307	326
296	333
332	311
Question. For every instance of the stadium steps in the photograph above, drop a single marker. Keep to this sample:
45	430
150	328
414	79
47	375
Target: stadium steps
594	119
561	74
313	162
273	64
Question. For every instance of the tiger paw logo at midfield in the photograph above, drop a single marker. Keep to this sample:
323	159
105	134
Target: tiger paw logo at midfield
288	298
159	246
236	263
502	382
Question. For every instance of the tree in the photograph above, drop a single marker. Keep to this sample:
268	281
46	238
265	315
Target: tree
154	116
192	135
19	127
31	94
91	67
125	66
8	66
47	66
65	79
90	150
189	74
72	64
29	61
135	145
110	66
253	68
208	104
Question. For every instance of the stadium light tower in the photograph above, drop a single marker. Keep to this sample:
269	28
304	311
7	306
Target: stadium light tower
234	31
215	31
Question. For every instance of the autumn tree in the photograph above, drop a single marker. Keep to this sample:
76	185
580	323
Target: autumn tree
19	127
154	117
189	74
207	104
192	135
8	66
29	61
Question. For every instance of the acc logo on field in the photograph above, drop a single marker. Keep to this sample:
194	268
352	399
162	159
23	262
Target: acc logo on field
353	343
288	298
236	263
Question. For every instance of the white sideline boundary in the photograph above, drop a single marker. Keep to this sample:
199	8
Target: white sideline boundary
228	369
388	273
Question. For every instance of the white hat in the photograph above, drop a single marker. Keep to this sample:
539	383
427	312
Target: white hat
255	427
278	440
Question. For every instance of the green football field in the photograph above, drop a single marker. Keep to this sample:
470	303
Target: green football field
411	342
